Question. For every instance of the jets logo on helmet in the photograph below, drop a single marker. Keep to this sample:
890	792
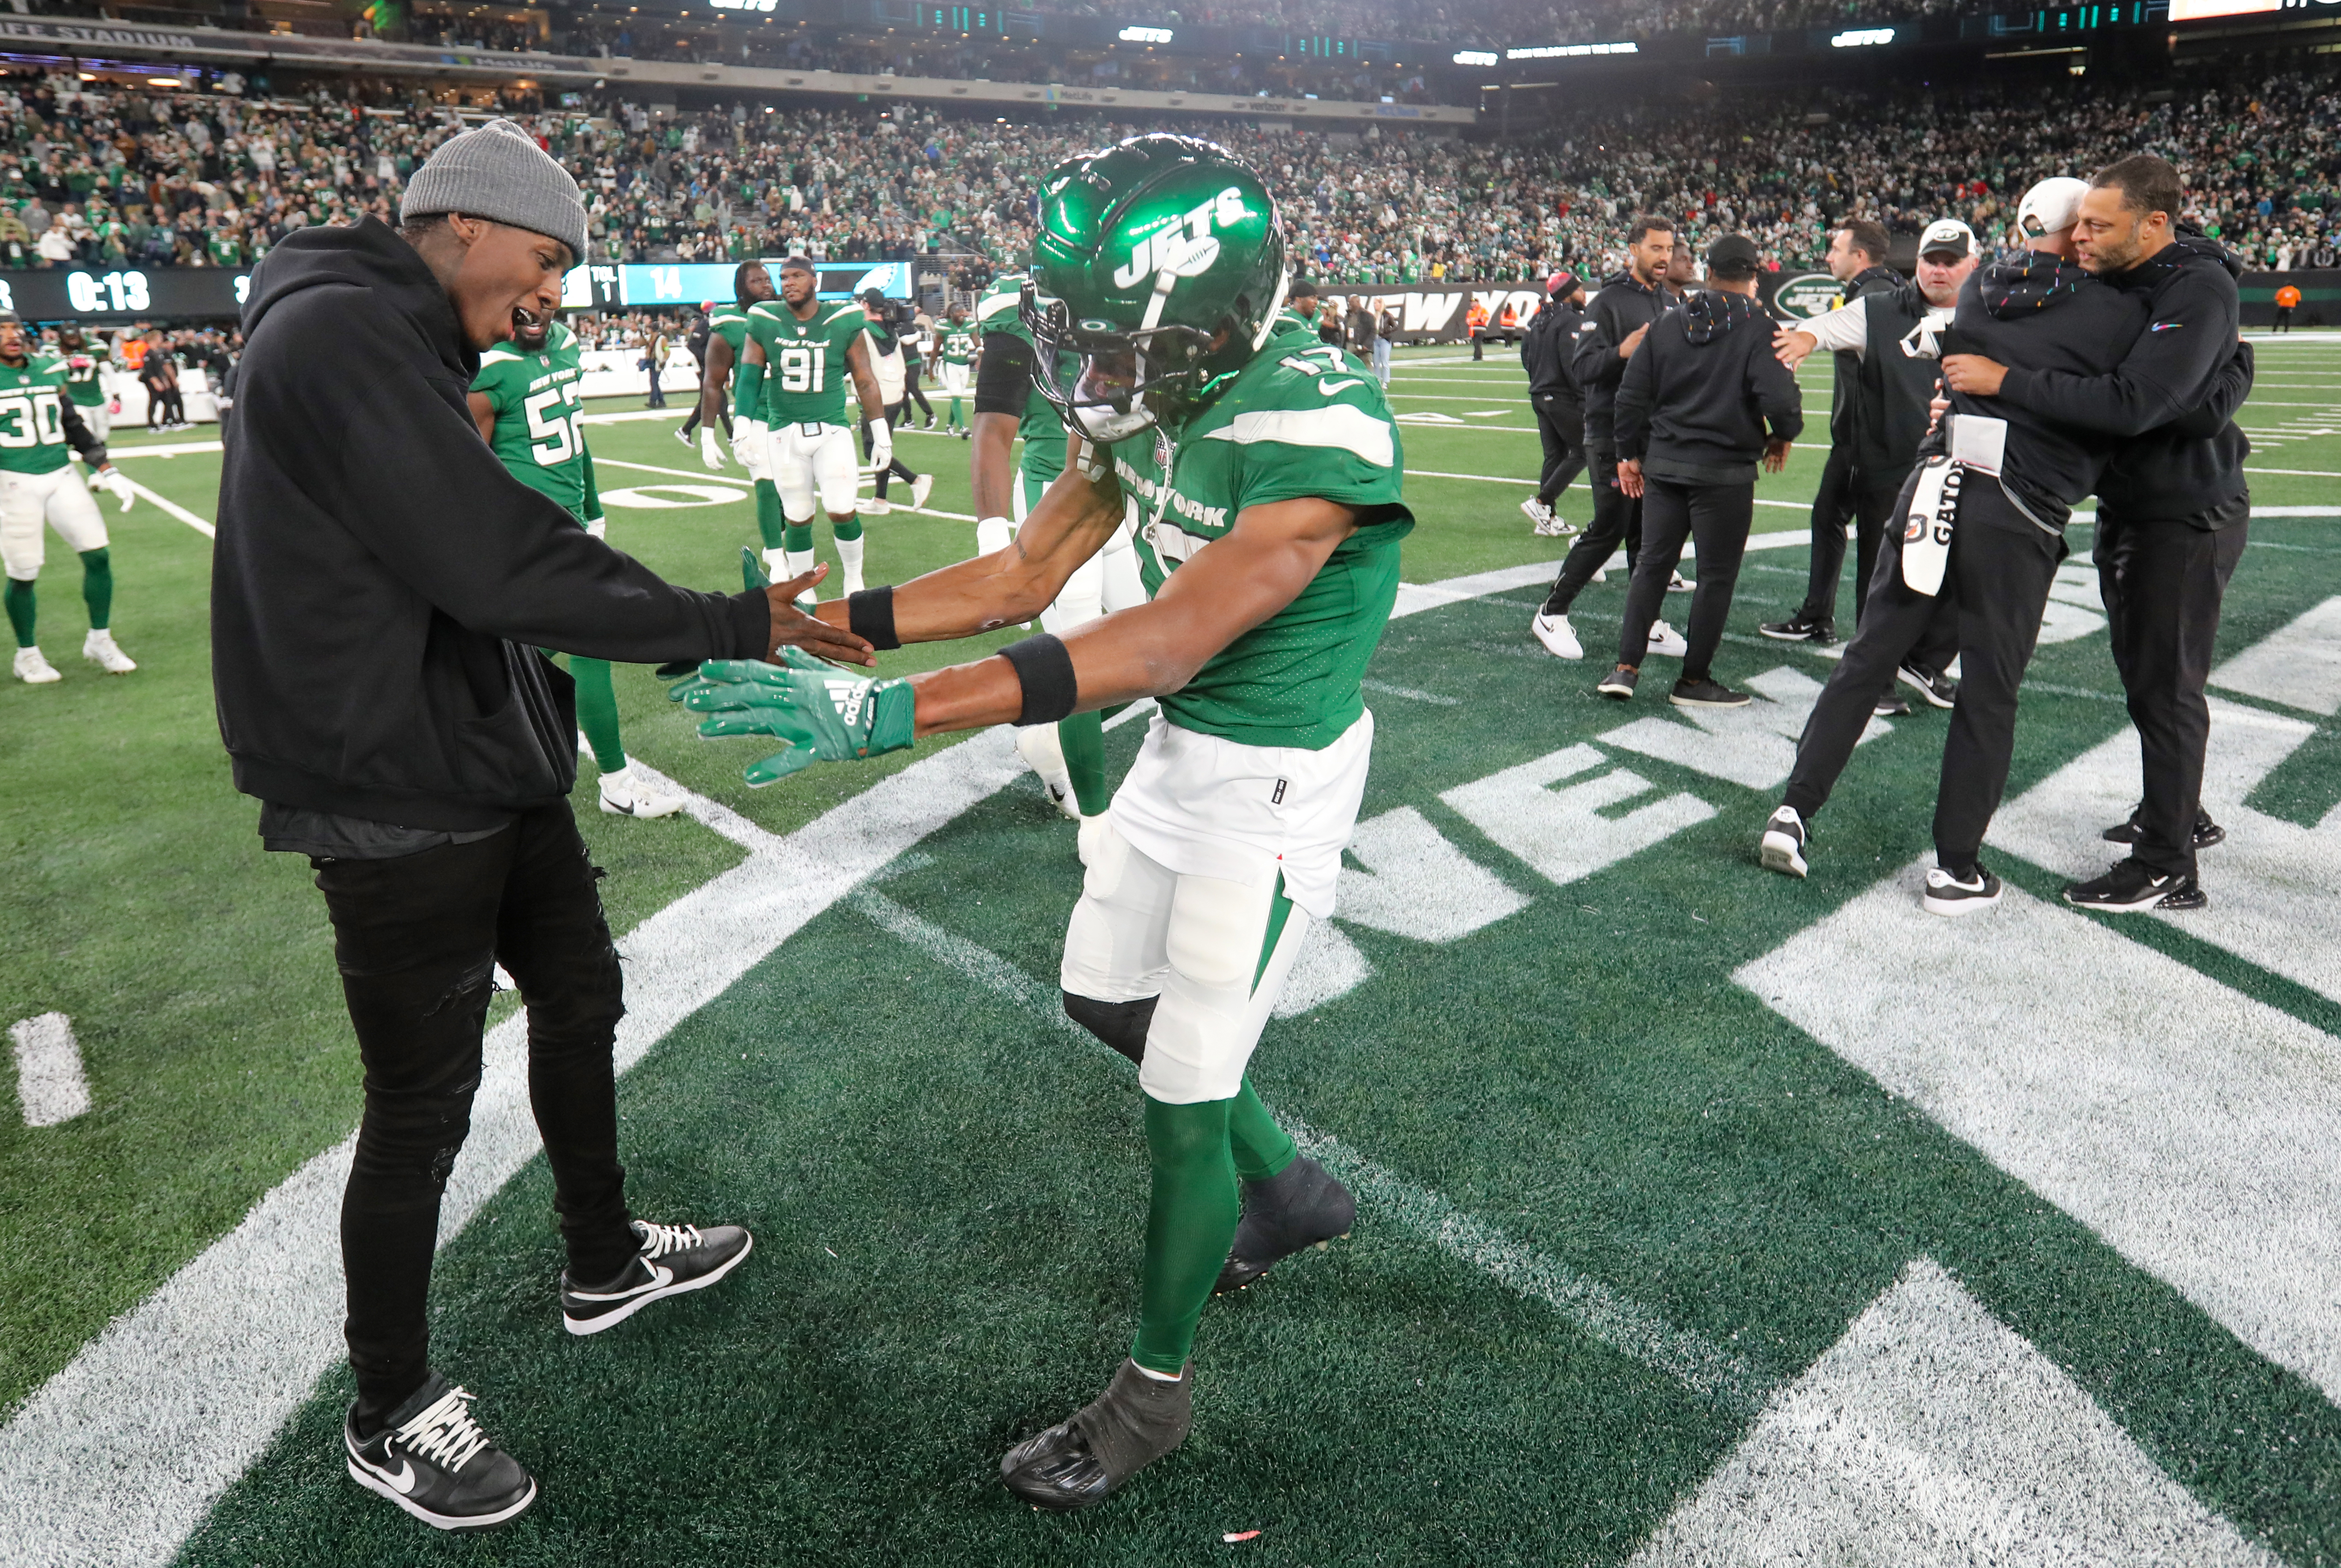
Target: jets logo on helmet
1157	276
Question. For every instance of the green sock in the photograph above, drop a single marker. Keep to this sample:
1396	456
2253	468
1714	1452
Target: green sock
1191	1222
597	711
769	521
1083	740
954	414
98	586
850	529
21	610
799	537
1261	1148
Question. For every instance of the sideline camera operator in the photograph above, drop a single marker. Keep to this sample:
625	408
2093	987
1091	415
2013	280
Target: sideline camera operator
1545	352
380	590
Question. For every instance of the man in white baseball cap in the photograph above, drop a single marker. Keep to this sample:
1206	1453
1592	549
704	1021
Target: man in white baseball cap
2049	210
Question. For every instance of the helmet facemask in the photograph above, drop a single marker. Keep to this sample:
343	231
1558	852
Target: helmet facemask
1118	383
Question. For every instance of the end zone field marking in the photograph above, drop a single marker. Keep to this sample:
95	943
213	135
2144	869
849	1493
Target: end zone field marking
50	1085
1625	1325
1934	1433
2196	1130
2298	666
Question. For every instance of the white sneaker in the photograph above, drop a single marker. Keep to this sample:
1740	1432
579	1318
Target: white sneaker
920	488
1037	746
876	507
1782	848
627	794
1601	574
1553	527
1558	638
99	649
1676	584
32	669
1538	512
1666	640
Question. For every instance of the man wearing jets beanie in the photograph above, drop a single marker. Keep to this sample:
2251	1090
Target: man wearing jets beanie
1983	520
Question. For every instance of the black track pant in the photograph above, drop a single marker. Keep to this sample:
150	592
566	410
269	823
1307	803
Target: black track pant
1717	517
417	939
1561	426
1876	512
1617	518
910	394
897	469
1833	508
1997	586
2162	583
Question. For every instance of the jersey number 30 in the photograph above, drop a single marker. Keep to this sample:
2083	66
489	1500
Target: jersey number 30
31	419
552	433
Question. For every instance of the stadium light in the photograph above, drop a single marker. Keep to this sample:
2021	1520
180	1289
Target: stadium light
1475	56
1862	37
1568	51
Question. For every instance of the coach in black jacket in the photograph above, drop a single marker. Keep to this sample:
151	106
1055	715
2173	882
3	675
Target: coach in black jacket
1611	331
379	588
1703	401
1546	349
2172	505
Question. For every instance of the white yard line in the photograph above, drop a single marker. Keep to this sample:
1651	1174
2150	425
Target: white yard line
2298	665
707	476
173	507
50	1085
2193	1129
1933	1432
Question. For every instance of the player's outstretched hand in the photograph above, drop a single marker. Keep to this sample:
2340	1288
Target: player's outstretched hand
711	449
793	628
820	713
115	482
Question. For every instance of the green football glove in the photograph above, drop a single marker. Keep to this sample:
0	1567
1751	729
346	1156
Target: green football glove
824	712
751	577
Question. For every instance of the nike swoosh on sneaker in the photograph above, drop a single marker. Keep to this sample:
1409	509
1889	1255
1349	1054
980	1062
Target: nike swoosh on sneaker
659	1279
403	1482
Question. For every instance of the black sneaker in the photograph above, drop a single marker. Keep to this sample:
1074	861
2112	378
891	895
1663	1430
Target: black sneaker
1707	692
2126	830
1940	690
1085	1458
1783	846
682	435
1958	895
431	1459
1890	706
1303	1205
674	1259
1619	684
1796	629
2132	884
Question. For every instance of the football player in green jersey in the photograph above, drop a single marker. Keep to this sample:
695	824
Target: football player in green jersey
40	430
1266	476
752	285
1300	307
528	402
956	346
86	382
794	373
1070	755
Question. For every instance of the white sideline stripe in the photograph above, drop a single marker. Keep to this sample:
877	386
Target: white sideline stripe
2298	665
117	1458
180	1395
49	1083
1933	1432
2196	1129
1625	1325
173	507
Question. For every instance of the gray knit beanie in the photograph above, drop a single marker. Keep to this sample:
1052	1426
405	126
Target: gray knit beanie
498	172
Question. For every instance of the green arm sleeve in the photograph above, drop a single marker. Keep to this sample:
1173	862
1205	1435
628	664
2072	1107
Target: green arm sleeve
748	401
593	491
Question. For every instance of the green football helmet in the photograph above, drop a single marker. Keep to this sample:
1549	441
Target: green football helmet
1156	274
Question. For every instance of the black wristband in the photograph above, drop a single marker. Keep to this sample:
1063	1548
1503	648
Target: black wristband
1046	673
870	616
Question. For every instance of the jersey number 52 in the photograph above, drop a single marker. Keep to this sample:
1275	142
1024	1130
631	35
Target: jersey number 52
552	433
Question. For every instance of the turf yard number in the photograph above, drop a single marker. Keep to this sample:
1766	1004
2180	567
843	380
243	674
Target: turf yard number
804	367
552	432
31	419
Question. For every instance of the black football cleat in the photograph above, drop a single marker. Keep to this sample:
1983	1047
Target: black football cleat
2132	885
674	1259
431	1459
1303	1205
1085	1458
2126	830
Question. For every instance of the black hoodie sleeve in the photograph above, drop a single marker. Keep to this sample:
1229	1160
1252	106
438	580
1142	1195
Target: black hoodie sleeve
84	440
1774	388
426	497
1637	389
1595	357
2229	388
2166	371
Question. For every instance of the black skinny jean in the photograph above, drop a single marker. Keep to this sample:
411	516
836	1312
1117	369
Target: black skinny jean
1560	426
1617	517
911	392
1995	589
417	939
2162	583
1833	508
1716	516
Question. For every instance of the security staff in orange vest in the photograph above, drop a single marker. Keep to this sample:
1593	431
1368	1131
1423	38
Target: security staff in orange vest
1476	320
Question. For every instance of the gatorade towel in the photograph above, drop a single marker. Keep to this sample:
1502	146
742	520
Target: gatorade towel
1978	444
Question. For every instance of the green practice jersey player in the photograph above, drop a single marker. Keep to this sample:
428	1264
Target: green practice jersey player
955	347
528	400
801	356
727	339
40	430
86	382
1268	484
1070	755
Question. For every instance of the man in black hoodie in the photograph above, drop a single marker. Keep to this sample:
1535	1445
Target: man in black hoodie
1692	415
379	588
1984	517
1613	328
1546	349
2172	506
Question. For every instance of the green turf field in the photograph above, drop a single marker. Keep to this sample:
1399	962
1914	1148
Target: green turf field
1700	1210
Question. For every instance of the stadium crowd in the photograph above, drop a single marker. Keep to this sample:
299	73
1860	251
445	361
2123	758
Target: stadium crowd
98	175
